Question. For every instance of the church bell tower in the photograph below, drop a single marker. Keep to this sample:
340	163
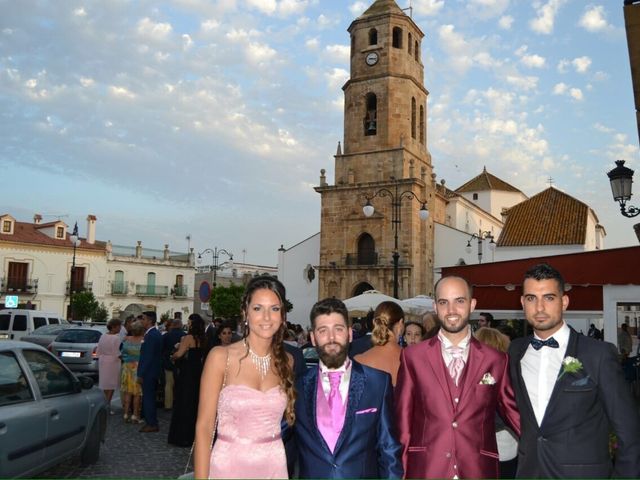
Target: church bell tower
384	160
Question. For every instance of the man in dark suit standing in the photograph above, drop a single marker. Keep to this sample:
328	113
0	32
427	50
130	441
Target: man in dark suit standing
149	370
344	412
447	393
570	392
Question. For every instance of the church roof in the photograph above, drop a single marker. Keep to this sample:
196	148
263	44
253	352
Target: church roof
486	181
380	7
30	233
549	218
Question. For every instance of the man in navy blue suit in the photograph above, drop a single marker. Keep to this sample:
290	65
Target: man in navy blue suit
344	422
149	370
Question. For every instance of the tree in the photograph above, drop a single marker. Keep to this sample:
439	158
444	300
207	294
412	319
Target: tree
101	314
84	305
226	302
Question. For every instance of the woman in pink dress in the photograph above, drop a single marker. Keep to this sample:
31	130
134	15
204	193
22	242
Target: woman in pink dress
245	390
108	353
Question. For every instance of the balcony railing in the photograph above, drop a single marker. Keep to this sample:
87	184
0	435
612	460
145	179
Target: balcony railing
180	291
362	258
152	290
19	285
118	288
77	287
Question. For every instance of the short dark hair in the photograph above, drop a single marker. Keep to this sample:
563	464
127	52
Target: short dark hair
544	271
487	316
326	307
469	287
151	315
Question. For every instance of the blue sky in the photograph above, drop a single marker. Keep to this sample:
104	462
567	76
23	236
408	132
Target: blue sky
214	117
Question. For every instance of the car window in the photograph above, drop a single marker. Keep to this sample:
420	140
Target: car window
48	330
14	387
79	336
39	322
53	321
52	378
5	318
19	323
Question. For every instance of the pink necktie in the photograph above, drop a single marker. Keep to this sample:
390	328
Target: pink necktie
335	400
456	365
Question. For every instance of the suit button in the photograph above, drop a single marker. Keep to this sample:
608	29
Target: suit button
454	424
448	455
335	466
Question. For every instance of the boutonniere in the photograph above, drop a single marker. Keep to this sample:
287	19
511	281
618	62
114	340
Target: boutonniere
570	365
487	379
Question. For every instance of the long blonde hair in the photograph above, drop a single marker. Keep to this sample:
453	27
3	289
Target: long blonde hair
494	338
385	317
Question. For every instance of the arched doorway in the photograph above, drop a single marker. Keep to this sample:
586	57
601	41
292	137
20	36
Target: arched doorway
361	288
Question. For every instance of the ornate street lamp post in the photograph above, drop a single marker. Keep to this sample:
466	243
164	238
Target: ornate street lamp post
216	255
75	241
396	197
621	179
481	236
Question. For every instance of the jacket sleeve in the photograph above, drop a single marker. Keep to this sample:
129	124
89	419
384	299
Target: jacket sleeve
389	449
404	406
507	400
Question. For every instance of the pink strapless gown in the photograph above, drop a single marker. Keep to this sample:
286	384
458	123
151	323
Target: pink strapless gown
248	443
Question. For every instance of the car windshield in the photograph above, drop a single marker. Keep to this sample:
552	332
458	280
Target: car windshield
4	321
48	330
79	336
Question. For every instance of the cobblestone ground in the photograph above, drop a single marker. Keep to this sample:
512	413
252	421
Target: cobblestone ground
127	453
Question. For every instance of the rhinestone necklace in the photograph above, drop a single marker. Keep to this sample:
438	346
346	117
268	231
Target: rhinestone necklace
262	364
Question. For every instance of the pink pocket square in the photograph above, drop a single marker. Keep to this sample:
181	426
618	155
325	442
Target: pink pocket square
367	410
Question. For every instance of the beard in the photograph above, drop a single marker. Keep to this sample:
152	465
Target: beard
333	359
464	321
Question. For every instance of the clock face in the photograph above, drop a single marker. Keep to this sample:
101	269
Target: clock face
371	58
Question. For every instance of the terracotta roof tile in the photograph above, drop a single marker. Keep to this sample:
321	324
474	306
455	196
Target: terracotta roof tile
486	181
24	232
549	218
445	191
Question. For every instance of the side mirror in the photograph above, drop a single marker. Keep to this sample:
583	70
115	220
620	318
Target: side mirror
85	382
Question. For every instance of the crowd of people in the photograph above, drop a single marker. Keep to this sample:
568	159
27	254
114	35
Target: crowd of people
410	399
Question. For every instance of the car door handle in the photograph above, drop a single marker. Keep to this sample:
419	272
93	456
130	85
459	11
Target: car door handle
54	414
3	428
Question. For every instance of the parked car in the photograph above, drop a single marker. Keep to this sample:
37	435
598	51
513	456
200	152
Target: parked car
15	323
76	348
47	414
45	334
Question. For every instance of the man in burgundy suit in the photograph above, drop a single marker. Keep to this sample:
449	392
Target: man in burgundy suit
448	390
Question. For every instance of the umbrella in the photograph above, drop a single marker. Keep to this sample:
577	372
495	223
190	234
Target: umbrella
418	305
366	301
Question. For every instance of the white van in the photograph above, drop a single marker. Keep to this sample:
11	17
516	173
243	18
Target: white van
15	323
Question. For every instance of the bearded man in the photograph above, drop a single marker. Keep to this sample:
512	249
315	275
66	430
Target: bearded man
448	391
344	414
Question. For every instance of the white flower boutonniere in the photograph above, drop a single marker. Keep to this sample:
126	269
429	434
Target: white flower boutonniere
570	365
487	379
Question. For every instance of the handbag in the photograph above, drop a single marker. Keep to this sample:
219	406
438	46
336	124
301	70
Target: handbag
190	474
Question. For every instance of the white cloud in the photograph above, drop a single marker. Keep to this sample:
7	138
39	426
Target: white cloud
260	53
312	43
187	41
358	8
505	22
340	53
210	24
156	31
581	64
576	94
336	78
560	88
80	12
563	65
120	92
427	7
533	61
265	6
545	16
522	82
291	7
564	89
87	82
594	19
602	128
485	9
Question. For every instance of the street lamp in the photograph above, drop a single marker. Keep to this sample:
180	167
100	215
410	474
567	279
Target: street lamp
481	236
621	179
75	241
216	255
396	206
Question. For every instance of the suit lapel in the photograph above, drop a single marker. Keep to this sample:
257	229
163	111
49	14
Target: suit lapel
356	387
310	395
475	361
435	361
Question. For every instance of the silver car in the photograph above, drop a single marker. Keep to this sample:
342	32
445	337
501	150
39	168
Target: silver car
76	348
47	414
46	334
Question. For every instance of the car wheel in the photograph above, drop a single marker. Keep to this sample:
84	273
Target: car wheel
91	451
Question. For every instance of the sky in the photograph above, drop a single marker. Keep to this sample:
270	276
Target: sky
212	118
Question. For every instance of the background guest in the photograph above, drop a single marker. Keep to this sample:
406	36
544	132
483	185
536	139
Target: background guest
129	387
149	368
413	333
108	352
170	342
225	334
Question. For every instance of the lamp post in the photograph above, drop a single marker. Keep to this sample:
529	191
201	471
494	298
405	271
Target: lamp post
396	197
216	255
75	241
481	236
621	179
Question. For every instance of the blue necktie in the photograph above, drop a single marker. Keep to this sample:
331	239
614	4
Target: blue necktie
549	342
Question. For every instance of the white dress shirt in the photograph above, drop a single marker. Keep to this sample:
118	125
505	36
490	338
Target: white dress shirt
464	345
540	370
344	380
